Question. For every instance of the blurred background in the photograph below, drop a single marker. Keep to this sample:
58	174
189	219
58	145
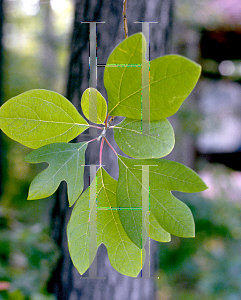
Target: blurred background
36	35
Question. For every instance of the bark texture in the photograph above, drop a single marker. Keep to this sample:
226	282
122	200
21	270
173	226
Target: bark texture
66	282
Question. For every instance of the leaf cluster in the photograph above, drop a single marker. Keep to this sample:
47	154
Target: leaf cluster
46	121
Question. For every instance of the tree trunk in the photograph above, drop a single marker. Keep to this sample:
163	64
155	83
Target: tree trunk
66	283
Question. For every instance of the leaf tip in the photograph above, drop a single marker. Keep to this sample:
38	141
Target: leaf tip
203	186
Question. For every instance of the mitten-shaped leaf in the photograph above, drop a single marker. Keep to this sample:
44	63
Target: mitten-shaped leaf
124	255
171	80
94	106
40	117
135	142
66	162
164	176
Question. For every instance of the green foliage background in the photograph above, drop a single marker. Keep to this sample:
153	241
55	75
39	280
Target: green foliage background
27	253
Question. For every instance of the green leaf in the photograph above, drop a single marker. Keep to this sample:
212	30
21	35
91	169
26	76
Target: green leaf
66	162
157	233
158	142
94	106
164	176
79	235
40	117
172	78
124	256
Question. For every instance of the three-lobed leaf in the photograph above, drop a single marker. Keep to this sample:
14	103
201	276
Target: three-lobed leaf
164	176
40	117
66	162
171	80
157	142
124	255
94	106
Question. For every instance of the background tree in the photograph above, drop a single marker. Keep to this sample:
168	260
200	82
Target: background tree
66	282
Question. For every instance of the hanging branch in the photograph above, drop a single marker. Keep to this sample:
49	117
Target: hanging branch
125	18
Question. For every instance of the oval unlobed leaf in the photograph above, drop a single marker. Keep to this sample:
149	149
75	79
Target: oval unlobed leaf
171	80
164	176
157	140
40	117
66	162
94	106
122	78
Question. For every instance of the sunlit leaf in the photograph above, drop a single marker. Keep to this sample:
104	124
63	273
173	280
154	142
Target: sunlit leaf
40	117
132	140
164	176
66	162
172	78
94	106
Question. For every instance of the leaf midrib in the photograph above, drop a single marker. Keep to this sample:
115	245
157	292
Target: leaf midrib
139	90
44	121
169	176
142	133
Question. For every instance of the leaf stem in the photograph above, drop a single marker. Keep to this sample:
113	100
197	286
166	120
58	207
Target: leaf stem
106	120
110	121
95	126
110	146
125	18
92	140
101	150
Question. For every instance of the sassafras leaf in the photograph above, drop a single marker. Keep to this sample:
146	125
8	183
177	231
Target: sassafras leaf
157	233
66	162
164	176
40	117
171	80
156	143
124	255
78	233
94	106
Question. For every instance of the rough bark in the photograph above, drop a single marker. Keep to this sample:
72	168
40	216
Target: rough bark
66	282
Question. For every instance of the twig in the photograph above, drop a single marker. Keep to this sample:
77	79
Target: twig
110	121
125	18
92	140
101	150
